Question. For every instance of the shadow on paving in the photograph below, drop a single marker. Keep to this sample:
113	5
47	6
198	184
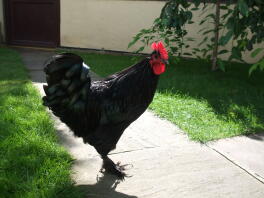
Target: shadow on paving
258	137
104	188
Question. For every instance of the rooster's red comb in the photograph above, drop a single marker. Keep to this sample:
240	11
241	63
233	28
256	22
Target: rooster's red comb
161	49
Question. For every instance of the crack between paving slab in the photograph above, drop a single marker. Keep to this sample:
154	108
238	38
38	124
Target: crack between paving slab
254	175
129	151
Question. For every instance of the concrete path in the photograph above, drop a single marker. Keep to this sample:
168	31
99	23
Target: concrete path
165	163
246	152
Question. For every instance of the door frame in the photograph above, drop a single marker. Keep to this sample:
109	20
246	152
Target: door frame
7	22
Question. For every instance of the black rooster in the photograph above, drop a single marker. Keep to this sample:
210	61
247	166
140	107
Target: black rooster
100	111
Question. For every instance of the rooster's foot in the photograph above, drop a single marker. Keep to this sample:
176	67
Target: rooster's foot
115	169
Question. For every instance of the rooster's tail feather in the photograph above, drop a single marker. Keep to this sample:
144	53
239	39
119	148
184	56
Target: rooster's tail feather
68	83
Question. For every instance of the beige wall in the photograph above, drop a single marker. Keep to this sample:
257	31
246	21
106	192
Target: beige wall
111	24
105	24
1	21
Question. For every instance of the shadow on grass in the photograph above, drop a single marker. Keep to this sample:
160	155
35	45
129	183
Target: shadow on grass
233	95
104	188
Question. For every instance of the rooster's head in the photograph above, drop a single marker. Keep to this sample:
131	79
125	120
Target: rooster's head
159	58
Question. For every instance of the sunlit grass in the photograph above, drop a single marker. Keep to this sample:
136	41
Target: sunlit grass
32	164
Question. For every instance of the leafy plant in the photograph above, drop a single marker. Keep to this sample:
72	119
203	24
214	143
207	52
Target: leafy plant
210	51
241	21
169	27
246	24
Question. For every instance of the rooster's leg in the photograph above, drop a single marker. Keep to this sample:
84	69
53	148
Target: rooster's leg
116	169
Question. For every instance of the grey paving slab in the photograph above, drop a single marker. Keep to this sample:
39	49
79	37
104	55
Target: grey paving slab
165	165
246	151
34	60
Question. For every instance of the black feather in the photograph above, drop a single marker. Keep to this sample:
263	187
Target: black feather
65	83
74	70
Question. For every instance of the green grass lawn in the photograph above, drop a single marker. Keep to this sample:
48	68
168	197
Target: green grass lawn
32	164
206	105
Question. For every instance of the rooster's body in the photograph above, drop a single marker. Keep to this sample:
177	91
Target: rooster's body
98	111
